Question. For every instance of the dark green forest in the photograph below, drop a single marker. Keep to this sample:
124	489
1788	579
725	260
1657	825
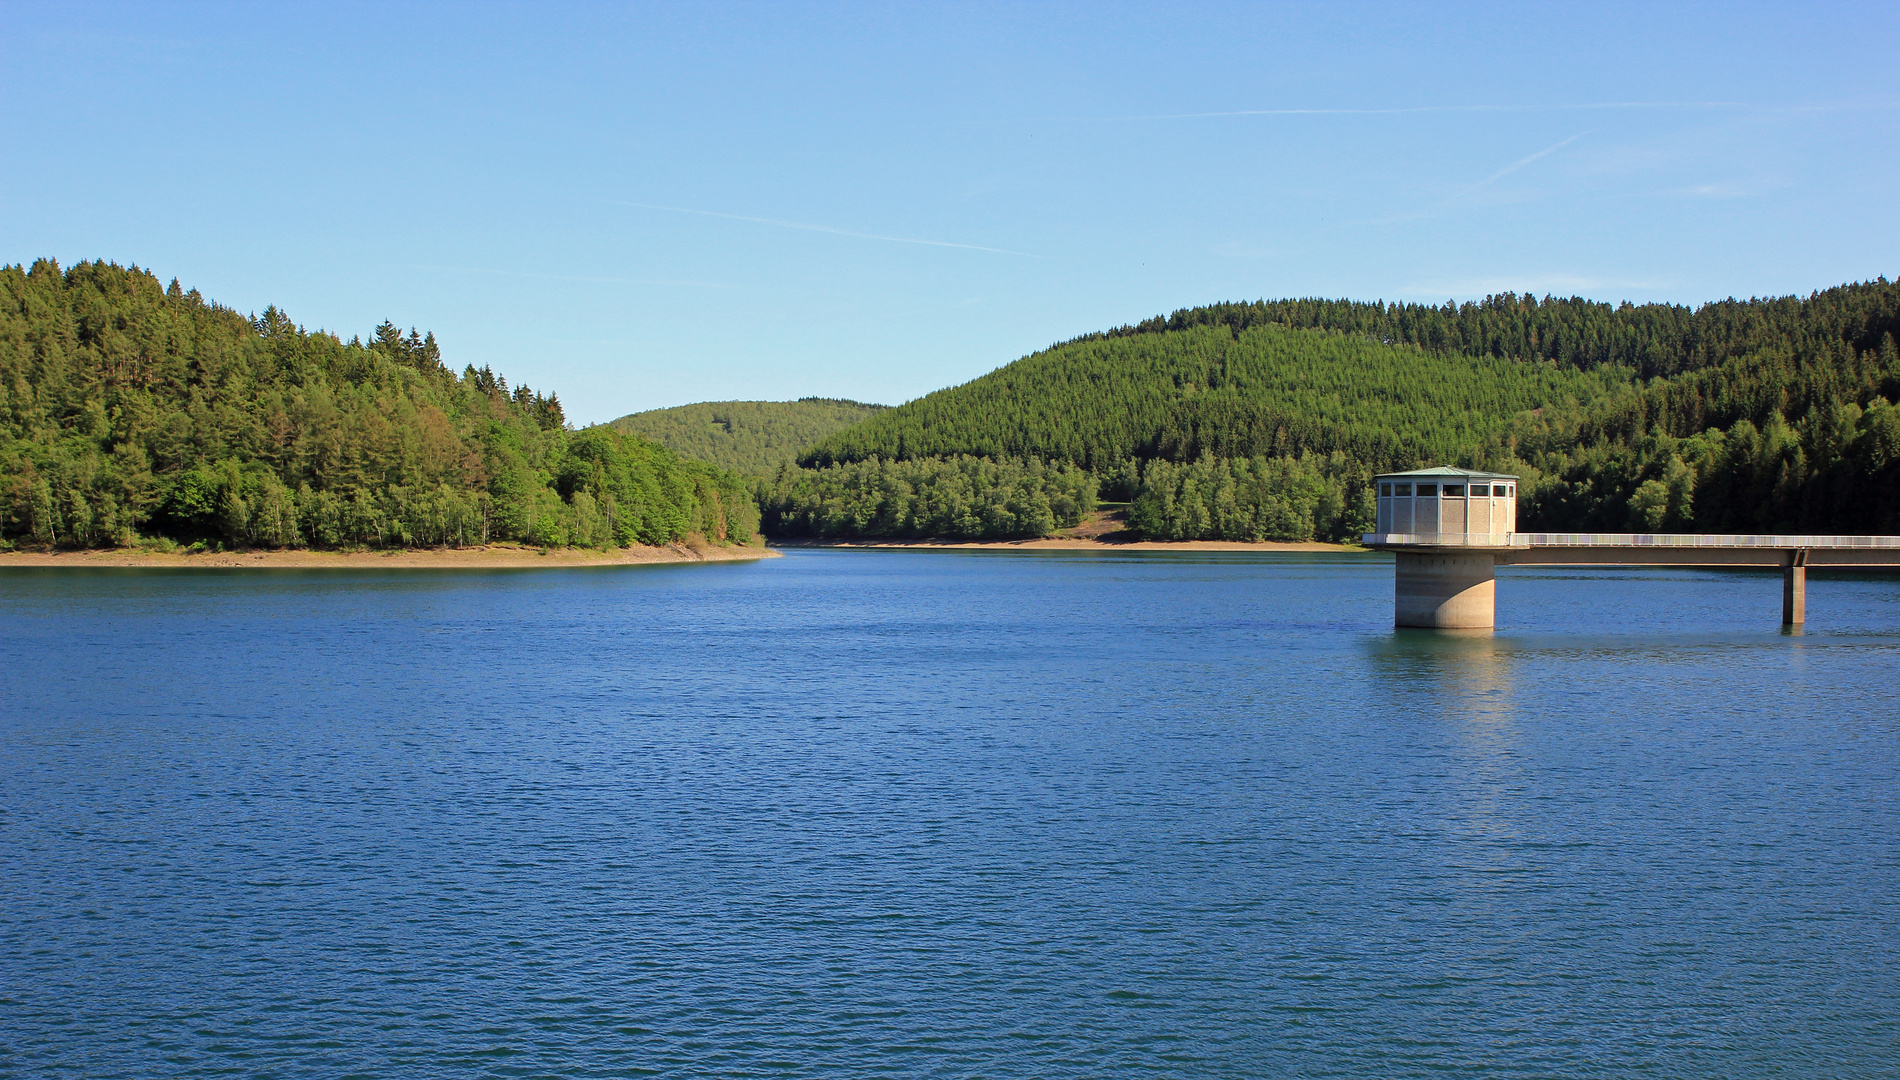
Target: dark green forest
1265	420
962	496
1649	339
133	411
752	438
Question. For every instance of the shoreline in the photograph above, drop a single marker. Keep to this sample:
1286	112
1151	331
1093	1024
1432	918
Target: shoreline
513	556
1074	543
489	557
1103	530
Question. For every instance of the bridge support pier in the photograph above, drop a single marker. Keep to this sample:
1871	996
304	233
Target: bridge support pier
1794	588
1445	592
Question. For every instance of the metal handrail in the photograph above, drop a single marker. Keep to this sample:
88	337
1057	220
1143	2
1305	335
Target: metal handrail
1638	540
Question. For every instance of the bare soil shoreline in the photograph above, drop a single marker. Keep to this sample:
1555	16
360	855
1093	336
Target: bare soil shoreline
490	557
1104	529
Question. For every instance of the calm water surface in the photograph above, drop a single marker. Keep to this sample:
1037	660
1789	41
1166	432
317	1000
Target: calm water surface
934	814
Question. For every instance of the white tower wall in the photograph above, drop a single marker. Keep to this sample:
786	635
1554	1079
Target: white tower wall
1448	506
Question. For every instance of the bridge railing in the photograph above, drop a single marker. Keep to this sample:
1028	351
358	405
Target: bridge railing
1627	540
1702	540
1471	540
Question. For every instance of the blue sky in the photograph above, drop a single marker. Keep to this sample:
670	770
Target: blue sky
646	205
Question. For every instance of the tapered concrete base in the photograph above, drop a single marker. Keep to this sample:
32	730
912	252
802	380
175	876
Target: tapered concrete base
1794	589
1445	592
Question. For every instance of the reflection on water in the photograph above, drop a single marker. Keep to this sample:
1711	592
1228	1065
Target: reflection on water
1472	705
928	813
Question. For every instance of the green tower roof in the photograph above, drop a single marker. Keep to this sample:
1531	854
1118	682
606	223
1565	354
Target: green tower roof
1446	470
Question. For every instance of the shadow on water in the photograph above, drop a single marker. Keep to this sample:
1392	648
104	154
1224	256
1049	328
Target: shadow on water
67	581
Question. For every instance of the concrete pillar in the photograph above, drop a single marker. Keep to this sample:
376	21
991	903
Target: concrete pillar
1445	592
1794	588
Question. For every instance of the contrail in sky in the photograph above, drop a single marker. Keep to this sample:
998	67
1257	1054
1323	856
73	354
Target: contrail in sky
1521	162
1463	192
827	229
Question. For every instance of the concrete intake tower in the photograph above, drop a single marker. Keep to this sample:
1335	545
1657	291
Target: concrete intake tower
1450	508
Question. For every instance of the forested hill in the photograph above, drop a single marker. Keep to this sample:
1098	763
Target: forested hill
1277	431
129	411
749	437
1265	420
1206	390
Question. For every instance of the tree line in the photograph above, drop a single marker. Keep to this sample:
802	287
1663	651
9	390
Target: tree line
1649	339
129	409
1260	498
961	496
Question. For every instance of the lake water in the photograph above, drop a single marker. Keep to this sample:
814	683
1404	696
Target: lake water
854	813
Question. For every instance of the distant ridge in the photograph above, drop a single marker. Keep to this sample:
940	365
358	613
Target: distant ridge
753	438
1652	339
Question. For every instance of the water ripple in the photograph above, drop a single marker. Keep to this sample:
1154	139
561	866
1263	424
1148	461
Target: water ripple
923	814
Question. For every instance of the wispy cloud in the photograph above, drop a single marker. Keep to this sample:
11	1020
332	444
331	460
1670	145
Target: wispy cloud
1414	110
1457	197
569	277
808	227
1715	191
